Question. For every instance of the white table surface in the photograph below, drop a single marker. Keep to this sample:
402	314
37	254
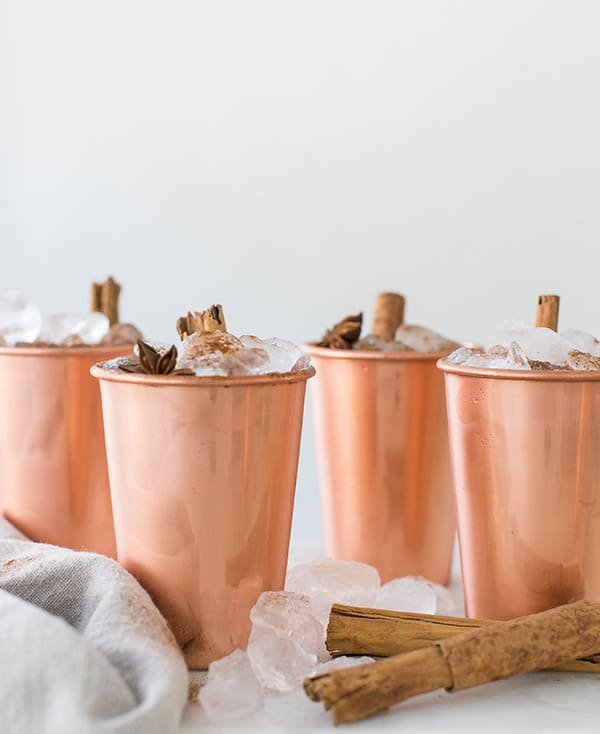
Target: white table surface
537	702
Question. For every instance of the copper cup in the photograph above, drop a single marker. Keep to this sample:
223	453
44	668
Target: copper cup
526	465
53	475
203	473
382	449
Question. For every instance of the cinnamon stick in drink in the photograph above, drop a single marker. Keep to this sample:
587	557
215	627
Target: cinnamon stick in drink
472	658
382	633
105	299
547	312
211	319
389	314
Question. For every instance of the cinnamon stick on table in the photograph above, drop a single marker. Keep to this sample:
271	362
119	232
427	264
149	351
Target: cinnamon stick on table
388	316
547	312
382	633
472	658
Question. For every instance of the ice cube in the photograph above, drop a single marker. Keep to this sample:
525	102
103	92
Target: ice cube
290	615
373	343
582	341
344	661
415	594
284	356
538	343
423	340
279	662
20	318
515	358
327	581
470	357
582	361
63	325
95	327
408	594
222	354
231	690
286	640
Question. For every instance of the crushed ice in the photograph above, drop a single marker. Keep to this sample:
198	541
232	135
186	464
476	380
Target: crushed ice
288	632
21	323
520	347
408	338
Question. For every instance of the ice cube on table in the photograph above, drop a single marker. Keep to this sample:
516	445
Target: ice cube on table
286	640
415	594
344	661
423	340
582	341
232	691
408	594
20	318
279	662
289	614
328	581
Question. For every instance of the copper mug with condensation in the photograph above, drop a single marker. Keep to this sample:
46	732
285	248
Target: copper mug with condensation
203	475
53	474
383	458
526	463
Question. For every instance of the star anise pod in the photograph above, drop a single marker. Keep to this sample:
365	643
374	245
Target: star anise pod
344	334
152	362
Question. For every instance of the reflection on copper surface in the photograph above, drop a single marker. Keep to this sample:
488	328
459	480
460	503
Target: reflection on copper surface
526	471
203	473
382	445
53	475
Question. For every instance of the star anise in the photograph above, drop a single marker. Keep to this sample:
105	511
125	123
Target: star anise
153	362
344	334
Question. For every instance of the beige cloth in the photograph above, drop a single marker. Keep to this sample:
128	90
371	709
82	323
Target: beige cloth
82	647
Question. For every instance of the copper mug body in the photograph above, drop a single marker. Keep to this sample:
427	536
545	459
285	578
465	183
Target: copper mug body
203	474
53	474
525	452
382	449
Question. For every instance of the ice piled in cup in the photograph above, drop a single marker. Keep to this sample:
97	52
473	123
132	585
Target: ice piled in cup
389	333
22	324
523	347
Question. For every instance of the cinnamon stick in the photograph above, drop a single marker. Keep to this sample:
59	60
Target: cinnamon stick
211	319
472	658
388	315
105	299
547	312
382	633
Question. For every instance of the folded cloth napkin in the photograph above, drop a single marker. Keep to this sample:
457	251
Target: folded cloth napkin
82	647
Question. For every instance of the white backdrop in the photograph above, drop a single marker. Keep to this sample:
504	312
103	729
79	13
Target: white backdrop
289	159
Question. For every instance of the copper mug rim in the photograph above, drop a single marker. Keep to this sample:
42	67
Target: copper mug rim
367	354
274	378
526	375
83	350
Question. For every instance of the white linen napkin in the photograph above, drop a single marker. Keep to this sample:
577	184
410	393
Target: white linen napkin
82	647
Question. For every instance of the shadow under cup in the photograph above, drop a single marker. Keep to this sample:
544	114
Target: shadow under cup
203	474
384	467
526	462
53	475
